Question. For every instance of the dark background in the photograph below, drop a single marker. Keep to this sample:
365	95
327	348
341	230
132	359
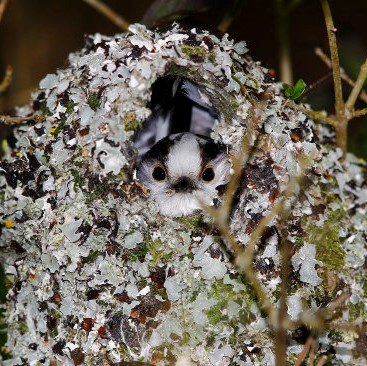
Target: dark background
37	35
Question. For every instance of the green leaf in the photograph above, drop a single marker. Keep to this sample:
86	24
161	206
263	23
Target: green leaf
294	92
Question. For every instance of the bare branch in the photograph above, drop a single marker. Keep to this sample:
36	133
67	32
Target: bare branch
357	87
322	360
229	16
360	112
319	52
315	115
282	17
339	102
7	79
115	18
282	329
3	5
306	350
9	120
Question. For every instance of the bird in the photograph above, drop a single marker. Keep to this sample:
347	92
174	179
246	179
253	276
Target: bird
178	162
183	172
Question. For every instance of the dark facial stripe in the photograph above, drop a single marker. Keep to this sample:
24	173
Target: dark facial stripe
159	151
210	150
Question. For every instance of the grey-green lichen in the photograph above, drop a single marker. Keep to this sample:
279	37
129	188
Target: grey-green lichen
99	277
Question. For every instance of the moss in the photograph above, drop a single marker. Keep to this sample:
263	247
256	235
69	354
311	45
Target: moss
176	70
56	130
224	293
215	314
79	180
99	191
329	248
356	311
133	125
94	101
194	52
156	249
69	105
138	253
192	222
91	257
22	327
364	287
44	109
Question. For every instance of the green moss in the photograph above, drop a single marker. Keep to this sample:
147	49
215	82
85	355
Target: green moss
176	70
364	287
224	293
138	253
94	101
56	131
22	327
156	250
44	109
79	180
92	257
356	311
215	314
99	192
69	105
192	222
329	248
195	52
133	125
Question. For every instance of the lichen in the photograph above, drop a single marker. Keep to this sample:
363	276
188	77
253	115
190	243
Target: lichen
97	275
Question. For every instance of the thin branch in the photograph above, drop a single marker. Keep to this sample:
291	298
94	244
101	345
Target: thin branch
359	112
341	115
306	350
255	119
229	16
281	331
319	52
7	79
315	115
339	102
9	120
322	360
282	19
115	18
357	87
3	6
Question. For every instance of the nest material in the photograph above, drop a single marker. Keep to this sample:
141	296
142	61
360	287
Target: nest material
99	276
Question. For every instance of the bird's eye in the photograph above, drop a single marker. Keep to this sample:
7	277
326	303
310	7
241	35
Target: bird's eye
208	174
159	173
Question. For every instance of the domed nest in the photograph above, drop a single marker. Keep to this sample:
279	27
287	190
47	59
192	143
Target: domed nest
99	277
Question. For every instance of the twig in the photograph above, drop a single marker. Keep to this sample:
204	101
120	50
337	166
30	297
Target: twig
319	52
341	127
229	16
281	331
360	112
9	120
7	79
3	5
310	342
357	87
221	215
322	360
315	115
282	18
339	102
115	18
